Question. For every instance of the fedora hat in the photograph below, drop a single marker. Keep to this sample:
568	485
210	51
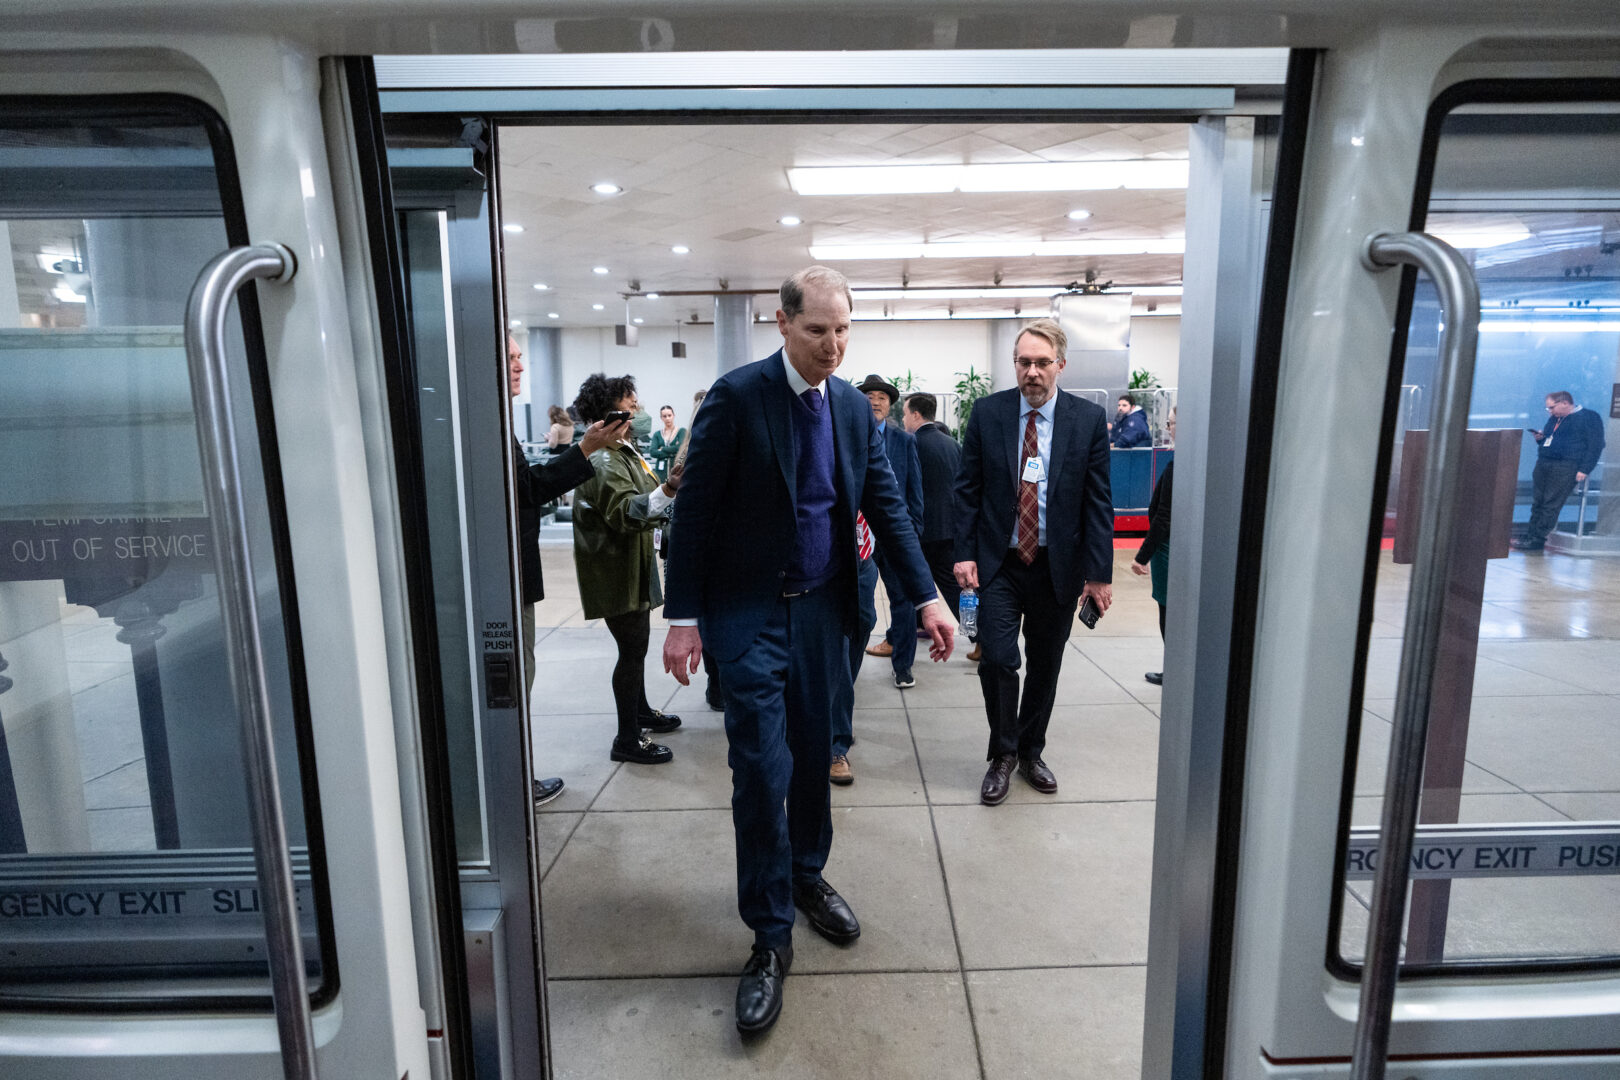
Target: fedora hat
877	382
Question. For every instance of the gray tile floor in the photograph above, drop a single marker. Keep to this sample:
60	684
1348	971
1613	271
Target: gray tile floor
1002	942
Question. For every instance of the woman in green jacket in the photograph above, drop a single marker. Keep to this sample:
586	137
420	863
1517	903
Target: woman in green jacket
666	443
615	515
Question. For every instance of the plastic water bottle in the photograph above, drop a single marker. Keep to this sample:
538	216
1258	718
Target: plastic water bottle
968	607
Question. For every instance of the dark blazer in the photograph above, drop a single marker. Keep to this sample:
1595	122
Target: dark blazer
536	486
735	519
1079	505
940	457
900	447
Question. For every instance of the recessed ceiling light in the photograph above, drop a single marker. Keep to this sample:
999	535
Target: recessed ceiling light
515	323
652	296
552	315
680	249
789	221
1079	215
542	286
1002	249
606	187
512	227
638	321
599	269
1020	176
596	307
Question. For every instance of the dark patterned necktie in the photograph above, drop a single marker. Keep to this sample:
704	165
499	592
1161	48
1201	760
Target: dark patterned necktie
1029	507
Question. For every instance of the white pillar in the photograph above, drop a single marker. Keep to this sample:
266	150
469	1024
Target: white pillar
733	331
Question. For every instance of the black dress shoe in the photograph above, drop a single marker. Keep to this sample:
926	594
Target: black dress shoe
547	789
1154	677
1039	776
827	912
996	780
759	991
641	752
659	723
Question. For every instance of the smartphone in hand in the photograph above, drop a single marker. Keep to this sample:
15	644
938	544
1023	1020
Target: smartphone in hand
1089	613
617	417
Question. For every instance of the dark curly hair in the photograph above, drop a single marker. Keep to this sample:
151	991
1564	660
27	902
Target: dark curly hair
600	394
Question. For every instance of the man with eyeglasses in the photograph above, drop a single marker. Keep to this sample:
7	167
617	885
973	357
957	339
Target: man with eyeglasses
1569	448
1035	533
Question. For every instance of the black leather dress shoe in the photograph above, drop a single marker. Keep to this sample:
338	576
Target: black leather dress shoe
827	911
1039	776
659	723
996	780
759	991
641	752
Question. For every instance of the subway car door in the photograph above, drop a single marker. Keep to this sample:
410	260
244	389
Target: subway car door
1390	608
203	868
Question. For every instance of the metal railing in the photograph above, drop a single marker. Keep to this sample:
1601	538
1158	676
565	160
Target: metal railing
1459	295
206	313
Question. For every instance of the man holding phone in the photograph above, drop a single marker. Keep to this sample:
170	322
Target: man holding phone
1034	534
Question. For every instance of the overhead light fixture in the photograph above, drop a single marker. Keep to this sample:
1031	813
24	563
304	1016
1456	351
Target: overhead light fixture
1549	326
1001	249
607	187
652	296
955	294
512	227
552	315
681	249
1475	239
789	221
596	307
542	286
638	322
1138	174
1079	215
66	294
515	323
599	270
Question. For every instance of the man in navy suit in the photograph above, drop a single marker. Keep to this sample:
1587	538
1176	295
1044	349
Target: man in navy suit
1035	532
899	644
761	572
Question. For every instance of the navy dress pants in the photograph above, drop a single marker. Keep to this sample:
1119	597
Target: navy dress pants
1020	594
780	698
843	724
902	633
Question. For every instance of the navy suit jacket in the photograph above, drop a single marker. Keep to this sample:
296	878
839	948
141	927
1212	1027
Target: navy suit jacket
940	459
900	447
1079	505
735	519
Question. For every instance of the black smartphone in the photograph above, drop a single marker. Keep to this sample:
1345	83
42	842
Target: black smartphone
615	418
1089	613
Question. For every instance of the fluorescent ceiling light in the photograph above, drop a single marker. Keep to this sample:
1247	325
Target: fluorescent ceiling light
680	249
1475	239
954	294
607	187
596	307
1549	326
1001	249
542	286
552	315
1021	176
67	295
515	323
789	221
1079	215
512	227
638	322
599	269
652	296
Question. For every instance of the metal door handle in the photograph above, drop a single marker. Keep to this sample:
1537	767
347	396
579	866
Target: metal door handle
1459	301
206	312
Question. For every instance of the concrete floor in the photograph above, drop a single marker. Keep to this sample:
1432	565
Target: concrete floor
1002	942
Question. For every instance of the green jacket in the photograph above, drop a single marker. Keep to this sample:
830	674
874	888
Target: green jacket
613	537
663	453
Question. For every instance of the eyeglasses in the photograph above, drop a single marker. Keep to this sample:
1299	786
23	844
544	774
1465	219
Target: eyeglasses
1024	365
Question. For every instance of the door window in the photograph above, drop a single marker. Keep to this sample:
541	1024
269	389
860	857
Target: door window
1516	862
125	848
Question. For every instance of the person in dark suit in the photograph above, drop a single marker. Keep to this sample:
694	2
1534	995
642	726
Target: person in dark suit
899	644
1035	532
762	571
1568	451
939	457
